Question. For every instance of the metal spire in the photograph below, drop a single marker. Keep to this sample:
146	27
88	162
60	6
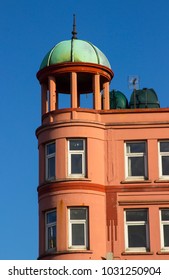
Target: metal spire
74	33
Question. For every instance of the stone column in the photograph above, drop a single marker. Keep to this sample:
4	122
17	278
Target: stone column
44	100
96	92
52	93
106	96
73	82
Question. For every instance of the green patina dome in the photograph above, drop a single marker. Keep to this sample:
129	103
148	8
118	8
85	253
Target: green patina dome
74	51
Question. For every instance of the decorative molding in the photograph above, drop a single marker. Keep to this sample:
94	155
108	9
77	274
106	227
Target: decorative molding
68	186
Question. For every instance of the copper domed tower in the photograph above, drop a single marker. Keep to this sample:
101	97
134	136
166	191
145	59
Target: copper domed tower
70	140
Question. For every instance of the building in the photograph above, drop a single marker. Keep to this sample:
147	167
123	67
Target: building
103	171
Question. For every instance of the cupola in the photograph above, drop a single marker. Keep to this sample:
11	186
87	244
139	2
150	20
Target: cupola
74	67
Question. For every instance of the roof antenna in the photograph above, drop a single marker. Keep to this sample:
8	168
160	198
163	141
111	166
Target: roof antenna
134	84
74	33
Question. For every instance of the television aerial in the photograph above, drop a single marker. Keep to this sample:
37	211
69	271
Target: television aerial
133	82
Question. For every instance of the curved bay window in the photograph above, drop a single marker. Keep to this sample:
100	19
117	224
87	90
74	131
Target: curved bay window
78	227
76	158
50	161
50	224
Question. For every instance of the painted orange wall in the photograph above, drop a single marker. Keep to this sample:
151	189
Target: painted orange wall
61	200
106	132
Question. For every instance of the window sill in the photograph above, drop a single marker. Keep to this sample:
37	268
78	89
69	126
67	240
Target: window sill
133	181
73	179
161	180
80	250
163	252
136	253
69	179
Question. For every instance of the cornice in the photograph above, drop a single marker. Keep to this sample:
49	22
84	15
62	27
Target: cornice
68	186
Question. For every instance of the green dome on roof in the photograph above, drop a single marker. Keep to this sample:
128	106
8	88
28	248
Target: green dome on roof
74	51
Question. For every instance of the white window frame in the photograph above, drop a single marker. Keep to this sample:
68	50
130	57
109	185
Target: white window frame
47	157
139	154
77	152
162	224
50	226
162	154
81	222
136	223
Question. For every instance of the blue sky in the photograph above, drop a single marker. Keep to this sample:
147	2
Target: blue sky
133	34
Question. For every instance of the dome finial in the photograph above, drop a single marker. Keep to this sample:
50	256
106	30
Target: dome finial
74	33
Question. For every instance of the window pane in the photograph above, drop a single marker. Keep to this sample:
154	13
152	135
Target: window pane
76	145
137	236
51	167
164	146
135	215
136	166
78	234
76	164
165	215
166	235
165	165
51	148
51	217
51	237
136	147
78	214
